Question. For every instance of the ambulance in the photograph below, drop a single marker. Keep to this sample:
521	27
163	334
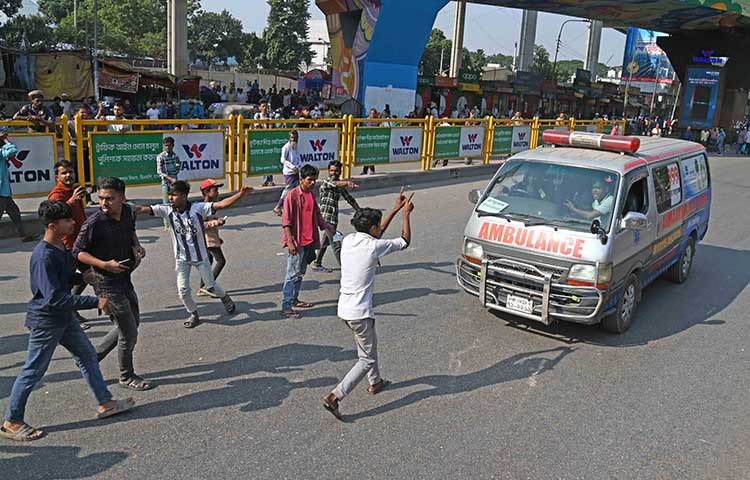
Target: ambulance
575	230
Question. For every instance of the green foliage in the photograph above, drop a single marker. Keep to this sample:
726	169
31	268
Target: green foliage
252	55
285	37
505	61
9	7
214	37
473	61
430	63
542	65
38	34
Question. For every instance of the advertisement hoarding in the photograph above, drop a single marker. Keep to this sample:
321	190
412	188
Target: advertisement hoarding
701	97
316	146
31	169
653	64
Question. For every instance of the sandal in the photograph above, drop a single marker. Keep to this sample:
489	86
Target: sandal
378	387
193	321
27	433
136	383
120	407
303	305
332	406
291	314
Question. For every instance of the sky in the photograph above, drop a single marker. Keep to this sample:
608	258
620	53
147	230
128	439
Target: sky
493	29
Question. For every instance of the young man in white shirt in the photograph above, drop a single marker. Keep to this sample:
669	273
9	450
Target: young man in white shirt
186	221
153	112
360	252
290	161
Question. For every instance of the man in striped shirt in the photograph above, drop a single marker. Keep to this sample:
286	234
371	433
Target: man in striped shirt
186	221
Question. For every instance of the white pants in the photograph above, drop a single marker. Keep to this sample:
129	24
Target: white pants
183	282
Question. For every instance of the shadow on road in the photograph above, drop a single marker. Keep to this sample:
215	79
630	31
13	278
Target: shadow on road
522	365
717	278
5	278
24	461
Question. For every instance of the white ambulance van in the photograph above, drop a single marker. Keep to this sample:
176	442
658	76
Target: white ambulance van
575	230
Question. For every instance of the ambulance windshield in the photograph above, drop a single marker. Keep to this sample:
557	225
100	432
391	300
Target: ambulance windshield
538	193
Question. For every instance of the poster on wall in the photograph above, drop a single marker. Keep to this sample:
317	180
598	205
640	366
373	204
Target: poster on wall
31	169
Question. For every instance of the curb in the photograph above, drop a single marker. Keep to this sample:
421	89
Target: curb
269	196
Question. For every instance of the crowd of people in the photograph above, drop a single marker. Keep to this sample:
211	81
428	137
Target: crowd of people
103	249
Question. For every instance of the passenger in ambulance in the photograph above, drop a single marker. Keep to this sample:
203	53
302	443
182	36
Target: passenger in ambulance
602	205
533	185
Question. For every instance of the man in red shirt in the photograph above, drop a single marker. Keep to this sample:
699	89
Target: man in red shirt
301	221
66	191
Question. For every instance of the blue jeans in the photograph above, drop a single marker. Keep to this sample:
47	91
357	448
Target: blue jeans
42	344
296	266
290	183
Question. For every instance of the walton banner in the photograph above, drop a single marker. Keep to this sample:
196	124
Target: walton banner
317	147
31	169
132	156
458	142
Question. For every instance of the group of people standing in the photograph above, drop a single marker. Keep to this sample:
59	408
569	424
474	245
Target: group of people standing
103	250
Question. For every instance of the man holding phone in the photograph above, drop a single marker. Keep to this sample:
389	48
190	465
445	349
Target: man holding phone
66	191
108	243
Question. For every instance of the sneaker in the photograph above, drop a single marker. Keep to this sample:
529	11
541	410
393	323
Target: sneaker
228	304
321	269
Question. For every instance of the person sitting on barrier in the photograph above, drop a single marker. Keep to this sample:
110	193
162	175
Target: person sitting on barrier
36	113
119	114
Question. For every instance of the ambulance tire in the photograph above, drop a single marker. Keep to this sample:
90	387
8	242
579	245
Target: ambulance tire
621	320
680	271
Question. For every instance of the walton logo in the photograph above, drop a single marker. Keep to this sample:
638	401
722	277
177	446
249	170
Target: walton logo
521	136
194	150
406	141
317	145
473	137
708	57
18	158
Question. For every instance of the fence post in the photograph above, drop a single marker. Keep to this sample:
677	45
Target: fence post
430	131
79	149
345	133
572	124
65	137
240	150
489	135
231	140
351	134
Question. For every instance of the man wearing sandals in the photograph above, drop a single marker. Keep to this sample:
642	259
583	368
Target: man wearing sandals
49	318
360	253
108	243
301	220
187	222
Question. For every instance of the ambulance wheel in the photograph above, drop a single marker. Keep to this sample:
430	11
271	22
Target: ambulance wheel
679	272
621	320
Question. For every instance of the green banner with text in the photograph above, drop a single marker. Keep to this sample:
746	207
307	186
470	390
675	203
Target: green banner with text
129	156
502	143
372	145
264	150
447	142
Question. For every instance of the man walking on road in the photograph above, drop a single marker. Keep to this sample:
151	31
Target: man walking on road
66	191
331	190
8	153
187	222
290	160
49	320
360	253
108	243
301	221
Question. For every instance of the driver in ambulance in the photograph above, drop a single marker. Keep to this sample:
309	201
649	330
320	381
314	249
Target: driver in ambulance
603	204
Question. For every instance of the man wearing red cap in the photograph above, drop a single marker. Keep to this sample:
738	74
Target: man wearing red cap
210	191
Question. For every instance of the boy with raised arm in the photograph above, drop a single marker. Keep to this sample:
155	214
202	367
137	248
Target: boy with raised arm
360	252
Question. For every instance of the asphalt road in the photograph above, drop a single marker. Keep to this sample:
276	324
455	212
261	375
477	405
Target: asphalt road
475	395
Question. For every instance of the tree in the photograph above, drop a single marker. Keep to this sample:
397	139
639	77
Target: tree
214	37
252	55
437	45
9	7
285	37
505	61
33	28
542	65
473	61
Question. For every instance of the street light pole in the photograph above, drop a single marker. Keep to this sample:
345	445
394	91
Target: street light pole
96	51
557	51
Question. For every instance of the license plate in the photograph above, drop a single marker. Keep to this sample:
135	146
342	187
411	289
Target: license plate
519	304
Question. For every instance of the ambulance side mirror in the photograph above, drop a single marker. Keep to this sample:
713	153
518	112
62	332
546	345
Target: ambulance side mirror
634	221
474	196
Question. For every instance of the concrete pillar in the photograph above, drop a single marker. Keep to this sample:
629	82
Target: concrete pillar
458	38
593	42
177	43
527	40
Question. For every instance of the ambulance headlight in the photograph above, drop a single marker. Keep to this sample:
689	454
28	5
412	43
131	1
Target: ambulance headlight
473	251
590	275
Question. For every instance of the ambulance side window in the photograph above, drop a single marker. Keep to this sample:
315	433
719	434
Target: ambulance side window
667	186
637	198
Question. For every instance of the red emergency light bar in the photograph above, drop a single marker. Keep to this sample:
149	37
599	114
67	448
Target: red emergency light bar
612	143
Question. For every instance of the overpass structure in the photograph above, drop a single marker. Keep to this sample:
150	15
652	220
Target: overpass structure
376	45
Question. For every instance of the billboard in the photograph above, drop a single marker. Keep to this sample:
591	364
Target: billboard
701	97
653	64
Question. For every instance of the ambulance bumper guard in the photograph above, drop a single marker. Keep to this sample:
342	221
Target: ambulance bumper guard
498	278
